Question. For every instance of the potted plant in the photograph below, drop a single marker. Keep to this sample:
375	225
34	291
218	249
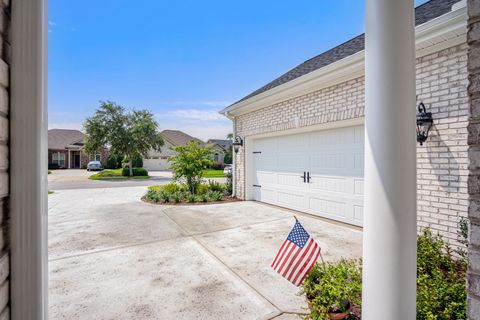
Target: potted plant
332	289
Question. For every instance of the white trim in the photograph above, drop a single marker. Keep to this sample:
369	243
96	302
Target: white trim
29	148
437	34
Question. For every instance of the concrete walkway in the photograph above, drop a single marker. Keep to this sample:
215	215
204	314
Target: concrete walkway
112	256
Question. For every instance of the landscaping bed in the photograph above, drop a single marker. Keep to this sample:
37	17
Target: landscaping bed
335	288
177	194
120	174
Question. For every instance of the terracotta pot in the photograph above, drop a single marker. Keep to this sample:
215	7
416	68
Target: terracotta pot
339	316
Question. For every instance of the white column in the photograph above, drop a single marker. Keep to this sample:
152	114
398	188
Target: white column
29	154
389	238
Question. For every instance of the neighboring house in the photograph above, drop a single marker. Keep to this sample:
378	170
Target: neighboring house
220	147
304	131
65	150
158	161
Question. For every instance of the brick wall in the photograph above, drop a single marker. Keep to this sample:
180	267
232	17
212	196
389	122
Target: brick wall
473	275
4	156
442	160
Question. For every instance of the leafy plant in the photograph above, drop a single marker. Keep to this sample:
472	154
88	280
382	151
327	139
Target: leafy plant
229	184
128	133
188	164
216	186
330	286
462	236
177	197
152	195
216	196
203	197
165	196
441	285
190	197
136	172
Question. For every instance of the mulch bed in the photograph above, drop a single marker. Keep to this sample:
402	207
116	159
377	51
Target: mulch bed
226	199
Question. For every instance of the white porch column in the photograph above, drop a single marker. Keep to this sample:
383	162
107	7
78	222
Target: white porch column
389	243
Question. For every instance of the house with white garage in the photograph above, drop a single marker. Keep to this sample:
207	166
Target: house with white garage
300	138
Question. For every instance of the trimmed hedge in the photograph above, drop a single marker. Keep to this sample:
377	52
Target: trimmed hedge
136	172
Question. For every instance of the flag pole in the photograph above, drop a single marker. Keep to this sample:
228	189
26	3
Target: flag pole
321	257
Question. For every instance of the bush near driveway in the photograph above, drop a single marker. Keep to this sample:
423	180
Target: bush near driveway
120	174
177	193
441	283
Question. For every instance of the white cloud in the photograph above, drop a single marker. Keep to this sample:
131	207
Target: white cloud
196	114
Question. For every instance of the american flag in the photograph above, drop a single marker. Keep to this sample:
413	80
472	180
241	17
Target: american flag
297	255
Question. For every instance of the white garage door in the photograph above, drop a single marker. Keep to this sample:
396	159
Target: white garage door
319	172
155	164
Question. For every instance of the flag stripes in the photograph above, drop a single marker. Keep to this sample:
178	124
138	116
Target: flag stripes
297	255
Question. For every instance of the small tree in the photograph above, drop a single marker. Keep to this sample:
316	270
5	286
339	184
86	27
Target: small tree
189	162
127	133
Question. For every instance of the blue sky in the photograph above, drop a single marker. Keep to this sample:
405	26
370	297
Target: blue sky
183	60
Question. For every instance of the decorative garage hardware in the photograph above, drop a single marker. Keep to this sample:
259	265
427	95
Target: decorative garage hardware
306	177
237	143
256	185
255	152
424	123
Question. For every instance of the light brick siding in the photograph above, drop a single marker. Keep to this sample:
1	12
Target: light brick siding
442	160
4	159
473	275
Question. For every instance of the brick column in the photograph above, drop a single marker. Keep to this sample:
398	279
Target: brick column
473	275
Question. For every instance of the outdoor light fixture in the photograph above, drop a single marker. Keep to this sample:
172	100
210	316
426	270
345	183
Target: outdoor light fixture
237	143
424	123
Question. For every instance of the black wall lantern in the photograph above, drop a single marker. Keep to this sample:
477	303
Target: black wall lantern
237	143
424	123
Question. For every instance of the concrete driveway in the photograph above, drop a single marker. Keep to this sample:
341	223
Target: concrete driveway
112	256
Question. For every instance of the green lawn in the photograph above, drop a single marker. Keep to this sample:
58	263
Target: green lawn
213	174
113	174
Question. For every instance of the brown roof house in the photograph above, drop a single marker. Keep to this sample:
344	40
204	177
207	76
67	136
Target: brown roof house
158	161
65	150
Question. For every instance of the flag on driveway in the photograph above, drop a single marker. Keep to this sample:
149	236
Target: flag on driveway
297	255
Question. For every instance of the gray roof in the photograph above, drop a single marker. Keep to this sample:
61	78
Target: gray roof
179	138
423	13
225	144
59	139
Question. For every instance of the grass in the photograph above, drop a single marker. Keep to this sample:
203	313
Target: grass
113	174
213	174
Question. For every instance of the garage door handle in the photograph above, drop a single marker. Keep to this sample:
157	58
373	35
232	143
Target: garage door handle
308	177
304	177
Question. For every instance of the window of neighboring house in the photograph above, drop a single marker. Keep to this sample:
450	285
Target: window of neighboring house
215	157
95	157
58	158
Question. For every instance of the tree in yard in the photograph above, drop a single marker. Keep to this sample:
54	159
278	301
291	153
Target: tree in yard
127	133
230	136
189	162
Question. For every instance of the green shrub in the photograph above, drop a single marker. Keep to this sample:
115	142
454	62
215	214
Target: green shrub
152	195
165	196
202	189
203	198
441	285
216	166
216	196
190	197
216	186
137	172
329	286
177	197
